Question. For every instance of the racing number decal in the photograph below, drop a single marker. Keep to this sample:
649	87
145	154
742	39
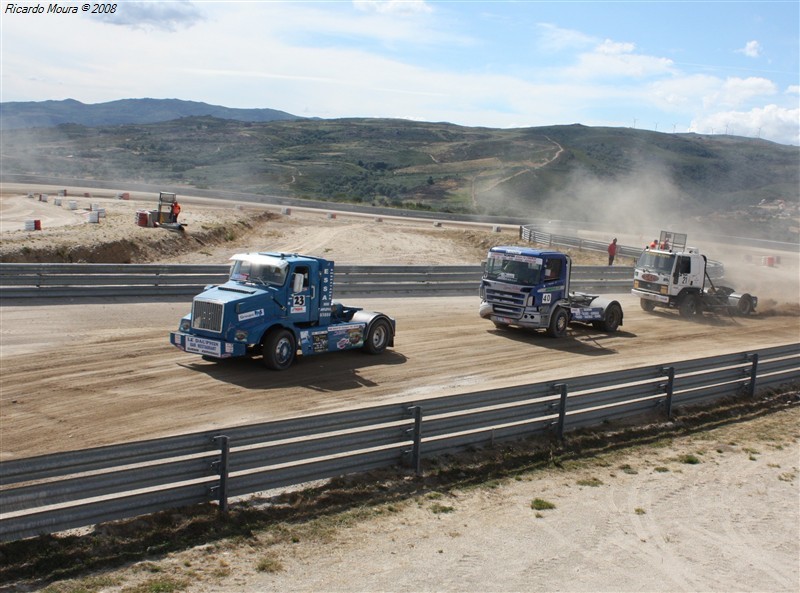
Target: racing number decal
298	303
546	298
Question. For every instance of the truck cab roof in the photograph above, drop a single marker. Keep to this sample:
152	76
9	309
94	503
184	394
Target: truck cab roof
527	251
276	259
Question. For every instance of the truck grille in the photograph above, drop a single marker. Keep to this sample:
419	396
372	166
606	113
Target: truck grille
506	303
649	286
207	315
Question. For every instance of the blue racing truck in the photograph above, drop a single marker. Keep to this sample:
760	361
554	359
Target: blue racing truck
529	288
276	304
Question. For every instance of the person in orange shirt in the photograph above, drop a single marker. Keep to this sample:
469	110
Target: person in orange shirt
175	209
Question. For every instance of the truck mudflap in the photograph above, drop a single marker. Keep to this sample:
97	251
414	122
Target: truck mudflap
207	346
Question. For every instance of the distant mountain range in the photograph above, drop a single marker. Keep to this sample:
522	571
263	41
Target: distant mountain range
45	114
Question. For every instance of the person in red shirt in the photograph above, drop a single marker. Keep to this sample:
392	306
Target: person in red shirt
612	251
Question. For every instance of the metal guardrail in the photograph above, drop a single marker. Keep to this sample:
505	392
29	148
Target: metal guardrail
21	281
51	493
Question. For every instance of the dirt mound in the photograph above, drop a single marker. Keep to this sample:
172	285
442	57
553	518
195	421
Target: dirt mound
111	242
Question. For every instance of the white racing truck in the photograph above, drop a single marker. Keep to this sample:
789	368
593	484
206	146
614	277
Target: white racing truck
669	274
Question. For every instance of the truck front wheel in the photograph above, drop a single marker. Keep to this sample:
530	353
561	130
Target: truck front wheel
279	349
378	337
647	305
558	324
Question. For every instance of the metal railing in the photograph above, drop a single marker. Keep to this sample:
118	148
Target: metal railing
60	491
21	281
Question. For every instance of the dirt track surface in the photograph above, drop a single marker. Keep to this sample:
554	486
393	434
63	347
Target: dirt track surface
84	375
79	374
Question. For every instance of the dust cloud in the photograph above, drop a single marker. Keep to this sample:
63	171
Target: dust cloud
637	206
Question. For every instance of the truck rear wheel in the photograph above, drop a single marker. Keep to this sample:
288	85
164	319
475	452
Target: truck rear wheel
378	337
647	305
745	305
558	324
612	318
279	349
689	306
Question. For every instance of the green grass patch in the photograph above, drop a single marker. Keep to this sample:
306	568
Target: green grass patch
539	504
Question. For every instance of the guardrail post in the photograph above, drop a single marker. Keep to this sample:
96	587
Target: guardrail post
416	447
669	388
221	467
753	373
562	409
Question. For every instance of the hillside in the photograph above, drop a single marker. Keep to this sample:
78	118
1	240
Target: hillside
45	114
625	176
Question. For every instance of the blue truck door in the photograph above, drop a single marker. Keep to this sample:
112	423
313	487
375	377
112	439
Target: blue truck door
303	305
554	279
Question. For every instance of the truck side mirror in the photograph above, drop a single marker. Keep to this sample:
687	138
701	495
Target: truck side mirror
297	283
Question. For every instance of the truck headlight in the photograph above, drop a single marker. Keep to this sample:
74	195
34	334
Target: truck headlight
240	336
531	301
663	290
636	284
185	325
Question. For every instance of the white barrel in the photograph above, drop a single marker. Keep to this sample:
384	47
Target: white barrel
57	201
73	205
94	216
30	225
101	212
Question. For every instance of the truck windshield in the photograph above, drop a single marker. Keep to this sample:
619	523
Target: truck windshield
524	271
255	273
656	262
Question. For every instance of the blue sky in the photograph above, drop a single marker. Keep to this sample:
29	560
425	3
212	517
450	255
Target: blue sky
705	67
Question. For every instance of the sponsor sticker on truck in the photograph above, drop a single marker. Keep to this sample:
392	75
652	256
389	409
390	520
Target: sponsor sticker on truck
251	314
203	346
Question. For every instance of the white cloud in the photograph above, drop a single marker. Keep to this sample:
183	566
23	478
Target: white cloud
793	89
164	16
752	49
393	6
550	38
734	92
611	60
614	48
776	123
